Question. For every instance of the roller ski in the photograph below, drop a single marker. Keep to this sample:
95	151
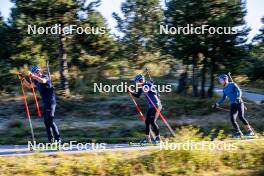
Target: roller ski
147	142
238	135
143	142
250	135
156	141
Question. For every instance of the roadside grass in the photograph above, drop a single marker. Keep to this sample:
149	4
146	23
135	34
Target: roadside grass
245	159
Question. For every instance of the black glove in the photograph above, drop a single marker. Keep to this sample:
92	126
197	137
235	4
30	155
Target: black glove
21	76
214	106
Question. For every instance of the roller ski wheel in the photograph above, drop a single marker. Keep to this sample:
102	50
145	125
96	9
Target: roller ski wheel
143	142
135	144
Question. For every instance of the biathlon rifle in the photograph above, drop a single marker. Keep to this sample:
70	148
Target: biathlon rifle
230	77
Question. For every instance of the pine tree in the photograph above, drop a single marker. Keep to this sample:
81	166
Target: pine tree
255	64
6	48
227	51
211	51
38	47
188	47
259	38
102	43
139	26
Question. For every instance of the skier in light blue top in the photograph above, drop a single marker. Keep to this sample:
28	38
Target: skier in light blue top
234	94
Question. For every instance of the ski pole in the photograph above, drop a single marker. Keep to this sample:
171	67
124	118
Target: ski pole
230	77
161	115
227	110
26	106
138	109
140	112
35	97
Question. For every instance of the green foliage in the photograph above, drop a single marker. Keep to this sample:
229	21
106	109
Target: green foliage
6	48
246	159
189	133
61	50
212	52
15	124
139	26
255	64
138	46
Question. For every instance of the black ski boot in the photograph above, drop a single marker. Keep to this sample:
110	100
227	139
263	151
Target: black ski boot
146	140
250	133
238	134
156	140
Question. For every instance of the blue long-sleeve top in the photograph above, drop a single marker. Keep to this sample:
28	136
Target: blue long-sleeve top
46	91
151	93
232	91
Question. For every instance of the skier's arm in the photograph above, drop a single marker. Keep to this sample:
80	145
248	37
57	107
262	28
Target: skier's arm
39	79
136	94
152	89
238	91
27	84
221	101
155	92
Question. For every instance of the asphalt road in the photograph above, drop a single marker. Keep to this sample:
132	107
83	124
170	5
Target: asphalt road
21	150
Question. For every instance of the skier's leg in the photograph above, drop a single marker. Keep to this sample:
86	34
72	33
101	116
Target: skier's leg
148	122
47	124
53	124
233	116
154	124
241	115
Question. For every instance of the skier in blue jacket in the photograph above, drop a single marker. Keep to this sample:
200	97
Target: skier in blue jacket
44	85
152	98
234	93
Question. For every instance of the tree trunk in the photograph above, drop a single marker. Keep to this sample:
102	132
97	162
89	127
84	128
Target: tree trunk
212	72
64	73
183	81
194	77
203	81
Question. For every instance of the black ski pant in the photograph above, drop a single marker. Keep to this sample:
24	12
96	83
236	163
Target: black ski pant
51	127
152	116
237	109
